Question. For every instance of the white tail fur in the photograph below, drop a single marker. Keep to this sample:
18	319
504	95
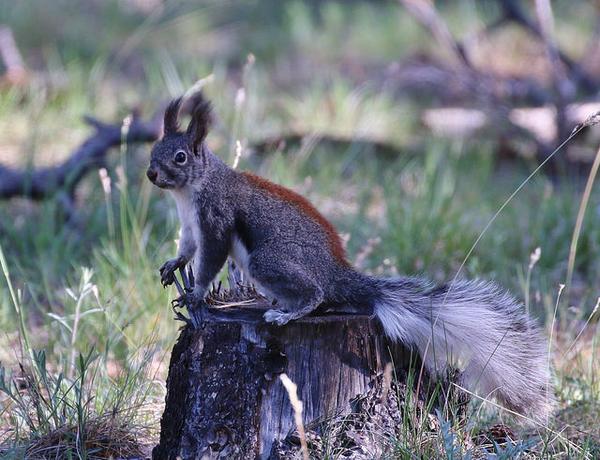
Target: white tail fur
478	326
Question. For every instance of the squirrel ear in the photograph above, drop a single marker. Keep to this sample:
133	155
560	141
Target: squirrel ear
171	121
201	120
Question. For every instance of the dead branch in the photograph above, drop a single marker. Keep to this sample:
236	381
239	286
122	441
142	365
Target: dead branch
16	72
485	87
512	11
564	89
44	182
451	85
499	97
487	91
298	138
426	14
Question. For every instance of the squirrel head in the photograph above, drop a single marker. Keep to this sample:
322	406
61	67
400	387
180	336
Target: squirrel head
177	158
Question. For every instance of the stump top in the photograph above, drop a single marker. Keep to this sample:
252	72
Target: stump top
253	313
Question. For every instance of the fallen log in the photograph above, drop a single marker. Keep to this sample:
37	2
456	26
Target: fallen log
225	400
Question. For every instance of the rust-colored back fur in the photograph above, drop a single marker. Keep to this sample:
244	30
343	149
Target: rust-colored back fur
304	206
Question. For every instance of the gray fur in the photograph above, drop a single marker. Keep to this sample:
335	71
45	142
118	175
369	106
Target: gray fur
476	324
288	253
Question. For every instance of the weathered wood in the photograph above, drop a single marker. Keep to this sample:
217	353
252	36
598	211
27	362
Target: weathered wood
225	400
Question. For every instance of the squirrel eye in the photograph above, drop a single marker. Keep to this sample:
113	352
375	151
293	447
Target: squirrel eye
180	157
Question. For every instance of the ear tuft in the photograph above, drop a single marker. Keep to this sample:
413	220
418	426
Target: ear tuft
171	121
201	111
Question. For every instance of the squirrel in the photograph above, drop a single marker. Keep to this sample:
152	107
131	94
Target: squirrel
294	255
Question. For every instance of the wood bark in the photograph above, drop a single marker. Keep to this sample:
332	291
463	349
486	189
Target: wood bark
225	400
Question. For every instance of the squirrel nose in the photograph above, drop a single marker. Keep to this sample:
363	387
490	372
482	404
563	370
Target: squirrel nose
151	173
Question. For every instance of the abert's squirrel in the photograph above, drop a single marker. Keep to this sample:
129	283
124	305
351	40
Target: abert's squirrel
294	255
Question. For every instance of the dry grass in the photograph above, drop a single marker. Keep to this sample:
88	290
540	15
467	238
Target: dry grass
106	436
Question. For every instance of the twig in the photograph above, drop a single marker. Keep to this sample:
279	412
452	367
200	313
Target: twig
292	392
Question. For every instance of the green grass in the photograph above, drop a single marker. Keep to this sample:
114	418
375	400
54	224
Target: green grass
88	315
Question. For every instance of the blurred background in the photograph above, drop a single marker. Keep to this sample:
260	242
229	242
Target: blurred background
409	124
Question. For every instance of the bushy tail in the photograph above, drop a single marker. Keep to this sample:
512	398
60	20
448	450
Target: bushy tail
474	323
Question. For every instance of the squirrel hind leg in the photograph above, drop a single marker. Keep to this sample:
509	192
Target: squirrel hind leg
281	317
297	293
294	300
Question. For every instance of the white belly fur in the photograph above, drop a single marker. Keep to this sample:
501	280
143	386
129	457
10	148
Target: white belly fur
189	223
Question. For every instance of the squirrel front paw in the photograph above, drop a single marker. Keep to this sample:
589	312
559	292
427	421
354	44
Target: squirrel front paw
167	271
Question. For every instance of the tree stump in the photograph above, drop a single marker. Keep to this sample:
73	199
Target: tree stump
225	400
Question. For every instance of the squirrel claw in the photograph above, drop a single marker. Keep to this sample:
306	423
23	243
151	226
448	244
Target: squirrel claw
181	317
186	299
196	309
166	279
167	271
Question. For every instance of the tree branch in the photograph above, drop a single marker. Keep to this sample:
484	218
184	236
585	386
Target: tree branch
41	183
426	14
